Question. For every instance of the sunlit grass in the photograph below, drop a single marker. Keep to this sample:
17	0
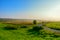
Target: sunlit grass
54	25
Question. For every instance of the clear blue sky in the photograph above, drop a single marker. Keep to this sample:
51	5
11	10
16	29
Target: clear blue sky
30	9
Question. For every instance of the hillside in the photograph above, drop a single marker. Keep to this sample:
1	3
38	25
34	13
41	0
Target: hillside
18	21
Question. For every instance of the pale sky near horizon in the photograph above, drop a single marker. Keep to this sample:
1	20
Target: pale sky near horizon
30	9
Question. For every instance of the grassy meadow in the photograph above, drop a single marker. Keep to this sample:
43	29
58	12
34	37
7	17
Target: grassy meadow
12	31
53	25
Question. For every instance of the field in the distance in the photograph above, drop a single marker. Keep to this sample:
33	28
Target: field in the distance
18	21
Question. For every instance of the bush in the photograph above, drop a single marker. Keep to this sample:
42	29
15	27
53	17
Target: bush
37	28
10	27
23	26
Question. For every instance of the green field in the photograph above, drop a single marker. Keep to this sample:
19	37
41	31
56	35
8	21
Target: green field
25	33
53	25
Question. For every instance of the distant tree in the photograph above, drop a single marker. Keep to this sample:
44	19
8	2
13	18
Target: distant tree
34	22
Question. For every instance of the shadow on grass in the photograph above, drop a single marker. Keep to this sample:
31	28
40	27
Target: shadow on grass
5	28
10	28
23	26
35	31
55	28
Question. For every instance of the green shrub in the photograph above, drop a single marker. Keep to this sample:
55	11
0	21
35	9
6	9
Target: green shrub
9	27
37	28
23	26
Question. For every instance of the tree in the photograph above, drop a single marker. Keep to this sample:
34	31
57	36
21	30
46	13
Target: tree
34	22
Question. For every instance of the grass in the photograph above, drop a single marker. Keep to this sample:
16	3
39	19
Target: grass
25	34
54	25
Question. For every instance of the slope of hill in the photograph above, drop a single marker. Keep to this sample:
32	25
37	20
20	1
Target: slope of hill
18	21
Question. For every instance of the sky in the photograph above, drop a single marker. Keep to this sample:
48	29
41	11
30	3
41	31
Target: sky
30	9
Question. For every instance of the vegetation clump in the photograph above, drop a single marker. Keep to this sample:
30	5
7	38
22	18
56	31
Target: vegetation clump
9	27
24	26
35	30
